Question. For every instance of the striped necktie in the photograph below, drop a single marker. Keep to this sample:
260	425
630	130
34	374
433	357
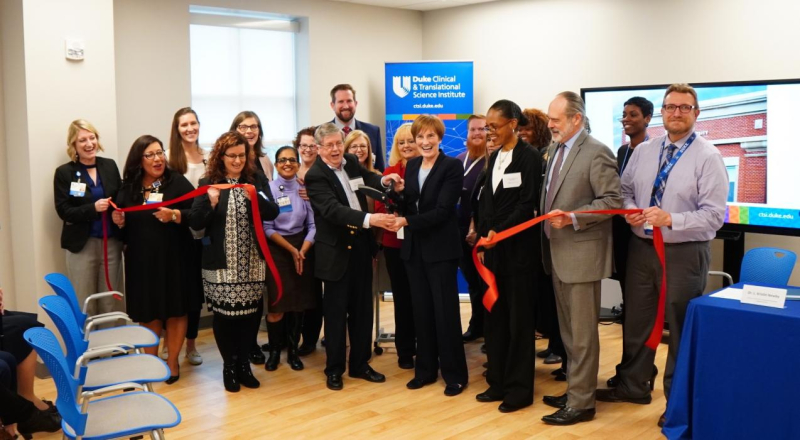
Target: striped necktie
663	184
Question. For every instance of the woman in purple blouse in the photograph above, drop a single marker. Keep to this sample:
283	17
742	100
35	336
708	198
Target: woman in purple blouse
291	236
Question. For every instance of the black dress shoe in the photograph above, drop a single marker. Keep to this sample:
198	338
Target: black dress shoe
544	353
485	365
229	379
370	375
245	376
257	356
273	361
552	359
556	401
486	397
662	420
614	396
306	349
334	382
569	416
613	382
40	421
172	379
508	408
415	384
471	335
454	389
406	362
483	348
560	375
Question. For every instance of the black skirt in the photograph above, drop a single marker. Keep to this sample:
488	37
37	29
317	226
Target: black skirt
299	291
14	325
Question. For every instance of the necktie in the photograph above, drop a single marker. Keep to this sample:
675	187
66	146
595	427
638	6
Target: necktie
552	185
663	183
346	129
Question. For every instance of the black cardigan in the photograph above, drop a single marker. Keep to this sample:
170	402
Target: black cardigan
213	220
78	213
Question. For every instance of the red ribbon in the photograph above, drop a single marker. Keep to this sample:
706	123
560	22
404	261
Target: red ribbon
262	239
490	297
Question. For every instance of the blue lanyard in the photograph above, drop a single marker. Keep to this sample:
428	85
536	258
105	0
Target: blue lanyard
628	152
664	173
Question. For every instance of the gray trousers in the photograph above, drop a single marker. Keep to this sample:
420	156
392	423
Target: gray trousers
85	271
687	273
578	307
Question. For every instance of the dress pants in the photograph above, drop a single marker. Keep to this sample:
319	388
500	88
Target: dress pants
475	287
578	307
405	338
437	319
86	271
347	307
547	316
687	274
312	320
510	339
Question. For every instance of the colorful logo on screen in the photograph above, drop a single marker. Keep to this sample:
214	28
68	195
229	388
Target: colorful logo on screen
758	216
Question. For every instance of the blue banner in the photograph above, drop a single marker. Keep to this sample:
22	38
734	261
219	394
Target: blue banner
440	88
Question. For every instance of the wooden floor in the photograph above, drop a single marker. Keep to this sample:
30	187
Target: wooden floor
291	404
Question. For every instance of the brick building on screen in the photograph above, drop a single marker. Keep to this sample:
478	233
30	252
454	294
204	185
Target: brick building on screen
737	125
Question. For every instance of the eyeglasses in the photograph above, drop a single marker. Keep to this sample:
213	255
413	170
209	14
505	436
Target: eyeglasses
306	147
235	156
338	144
685	108
244	128
151	155
358	147
290	160
489	128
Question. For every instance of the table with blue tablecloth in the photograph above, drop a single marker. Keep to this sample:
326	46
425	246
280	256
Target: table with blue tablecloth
738	372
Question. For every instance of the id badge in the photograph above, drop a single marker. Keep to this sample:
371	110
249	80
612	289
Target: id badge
355	182
77	189
155	198
512	180
648	228
284	203
401	234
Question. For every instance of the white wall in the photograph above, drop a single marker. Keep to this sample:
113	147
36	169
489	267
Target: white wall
345	43
44	92
528	51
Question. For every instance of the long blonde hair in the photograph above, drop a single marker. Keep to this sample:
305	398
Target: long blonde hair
394	155
72	135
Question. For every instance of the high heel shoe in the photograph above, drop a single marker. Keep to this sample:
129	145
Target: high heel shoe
229	378
172	379
245	376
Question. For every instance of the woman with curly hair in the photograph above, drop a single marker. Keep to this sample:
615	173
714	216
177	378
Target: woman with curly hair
233	264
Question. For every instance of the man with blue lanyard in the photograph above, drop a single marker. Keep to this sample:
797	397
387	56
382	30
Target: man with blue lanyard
681	182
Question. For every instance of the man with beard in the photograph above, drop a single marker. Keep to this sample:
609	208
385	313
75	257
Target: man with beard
343	103
681	182
581	176
473	160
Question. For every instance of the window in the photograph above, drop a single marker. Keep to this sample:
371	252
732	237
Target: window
242	60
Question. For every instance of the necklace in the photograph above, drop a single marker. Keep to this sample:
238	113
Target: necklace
501	158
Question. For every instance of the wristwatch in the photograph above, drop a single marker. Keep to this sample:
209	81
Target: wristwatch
174	217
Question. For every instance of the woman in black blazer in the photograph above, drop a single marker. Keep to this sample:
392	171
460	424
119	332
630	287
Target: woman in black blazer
81	189
431	249
234	270
509	197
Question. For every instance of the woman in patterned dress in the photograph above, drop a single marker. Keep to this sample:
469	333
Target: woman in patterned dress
234	270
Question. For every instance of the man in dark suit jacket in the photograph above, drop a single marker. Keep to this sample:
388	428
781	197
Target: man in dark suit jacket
343	103
344	249
581	176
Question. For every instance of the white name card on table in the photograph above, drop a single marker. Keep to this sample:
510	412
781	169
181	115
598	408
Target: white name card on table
729	293
763	296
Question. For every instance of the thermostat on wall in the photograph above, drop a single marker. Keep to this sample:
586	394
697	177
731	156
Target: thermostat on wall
74	50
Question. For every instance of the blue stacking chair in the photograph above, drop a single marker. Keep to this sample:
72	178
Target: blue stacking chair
95	368
84	417
130	334
765	265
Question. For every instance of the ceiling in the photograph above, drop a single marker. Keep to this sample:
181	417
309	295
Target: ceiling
417	5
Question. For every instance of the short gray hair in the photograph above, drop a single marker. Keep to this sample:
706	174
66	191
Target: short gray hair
326	129
575	105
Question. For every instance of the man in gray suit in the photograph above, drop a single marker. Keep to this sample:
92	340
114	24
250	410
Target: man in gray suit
581	176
